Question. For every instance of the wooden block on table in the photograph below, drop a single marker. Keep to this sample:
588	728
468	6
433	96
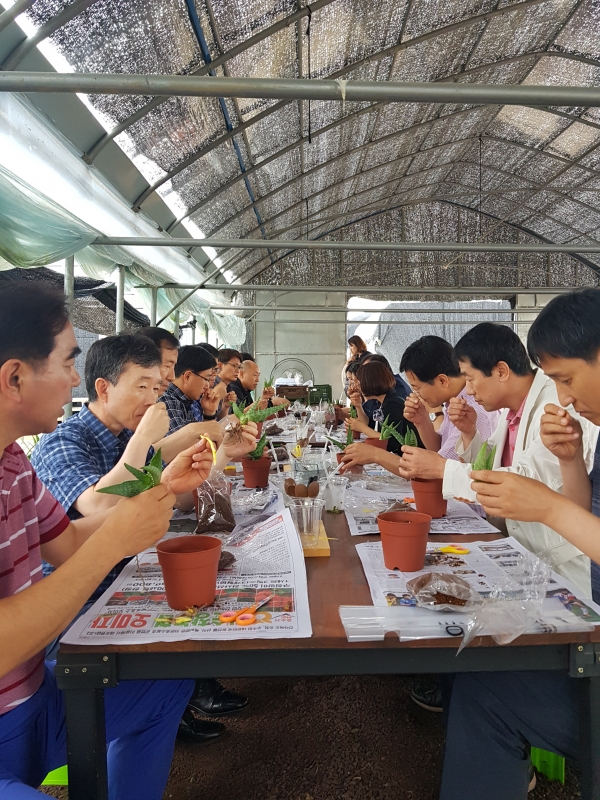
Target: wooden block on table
322	548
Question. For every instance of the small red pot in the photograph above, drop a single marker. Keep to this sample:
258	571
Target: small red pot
259	427
189	565
356	435
404	539
380	443
429	498
256	472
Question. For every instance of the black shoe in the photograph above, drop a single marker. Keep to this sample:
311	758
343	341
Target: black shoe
199	731
212	700
429	699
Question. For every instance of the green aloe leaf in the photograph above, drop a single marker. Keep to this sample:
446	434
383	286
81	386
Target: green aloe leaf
337	443
259	449
390	429
154	473
410	438
485	457
125	489
141	476
353	413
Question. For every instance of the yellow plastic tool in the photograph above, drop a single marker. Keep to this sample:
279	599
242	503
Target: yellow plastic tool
455	550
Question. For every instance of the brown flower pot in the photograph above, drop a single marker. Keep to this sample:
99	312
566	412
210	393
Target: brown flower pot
259	427
428	497
356	435
281	413
357	470
189	565
256	472
380	443
404	539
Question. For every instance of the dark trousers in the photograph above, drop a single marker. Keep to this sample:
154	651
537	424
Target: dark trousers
493	719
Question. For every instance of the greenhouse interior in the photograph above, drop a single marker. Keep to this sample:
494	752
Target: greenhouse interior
343	202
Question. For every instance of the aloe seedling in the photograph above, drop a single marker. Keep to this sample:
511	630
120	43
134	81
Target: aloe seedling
485	457
337	443
259	449
390	429
268	385
145	478
410	438
250	414
353	413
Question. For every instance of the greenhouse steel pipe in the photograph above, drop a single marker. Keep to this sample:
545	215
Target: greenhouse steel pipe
311	244
301	89
458	290
345	310
120	310
377	322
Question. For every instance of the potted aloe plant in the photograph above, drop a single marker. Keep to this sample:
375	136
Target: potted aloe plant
388	430
251	414
256	466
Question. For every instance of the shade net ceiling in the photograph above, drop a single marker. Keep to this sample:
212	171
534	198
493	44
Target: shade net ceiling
352	171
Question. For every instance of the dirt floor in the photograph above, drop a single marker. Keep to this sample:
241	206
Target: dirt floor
323	739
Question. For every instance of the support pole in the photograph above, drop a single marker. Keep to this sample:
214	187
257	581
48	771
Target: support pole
176	325
194	323
69	289
153	306
120	312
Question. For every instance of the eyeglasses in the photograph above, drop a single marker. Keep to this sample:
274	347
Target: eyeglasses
201	376
235	367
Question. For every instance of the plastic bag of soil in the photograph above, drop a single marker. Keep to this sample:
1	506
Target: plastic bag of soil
443	592
213	505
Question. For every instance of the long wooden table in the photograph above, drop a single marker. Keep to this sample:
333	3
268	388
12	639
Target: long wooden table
83	672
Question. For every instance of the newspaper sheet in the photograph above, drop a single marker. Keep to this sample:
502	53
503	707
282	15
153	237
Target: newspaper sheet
268	560
483	567
363	505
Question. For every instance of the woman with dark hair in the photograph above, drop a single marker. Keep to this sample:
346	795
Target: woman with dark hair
358	351
377	383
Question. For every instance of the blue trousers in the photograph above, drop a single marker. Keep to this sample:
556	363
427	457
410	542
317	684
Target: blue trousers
141	722
493	718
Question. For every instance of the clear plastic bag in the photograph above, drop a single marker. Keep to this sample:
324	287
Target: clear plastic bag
513	606
439	591
213	504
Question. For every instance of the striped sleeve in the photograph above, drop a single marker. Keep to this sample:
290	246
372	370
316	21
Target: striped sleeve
52	520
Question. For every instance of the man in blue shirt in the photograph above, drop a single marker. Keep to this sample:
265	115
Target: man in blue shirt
495	717
194	371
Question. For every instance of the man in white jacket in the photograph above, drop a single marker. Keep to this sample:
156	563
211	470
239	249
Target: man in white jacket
499	375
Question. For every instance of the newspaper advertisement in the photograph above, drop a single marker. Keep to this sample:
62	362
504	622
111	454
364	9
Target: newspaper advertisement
363	505
483	567
268	560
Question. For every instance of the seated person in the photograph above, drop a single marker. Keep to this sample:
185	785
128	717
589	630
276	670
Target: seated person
229	363
37	374
365	409
194	371
169	351
248	380
495	717
436	380
402	387
499	375
377	384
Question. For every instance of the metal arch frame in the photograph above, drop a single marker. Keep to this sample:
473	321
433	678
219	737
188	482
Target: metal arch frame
355	115
192	159
365	146
451	164
519	228
13	12
296	16
12	61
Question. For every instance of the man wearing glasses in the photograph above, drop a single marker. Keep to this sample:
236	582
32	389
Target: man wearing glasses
194	372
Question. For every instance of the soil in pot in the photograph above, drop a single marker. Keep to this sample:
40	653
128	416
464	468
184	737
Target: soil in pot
256	472
189	565
404	539
429	498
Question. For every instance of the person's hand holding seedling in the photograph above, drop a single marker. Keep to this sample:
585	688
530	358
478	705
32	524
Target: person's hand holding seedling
239	441
419	463
504	494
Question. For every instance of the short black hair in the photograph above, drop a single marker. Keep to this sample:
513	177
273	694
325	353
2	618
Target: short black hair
160	337
108	358
31	317
429	357
568	327
488	343
247	357
211	348
375	379
381	359
195	358
226	354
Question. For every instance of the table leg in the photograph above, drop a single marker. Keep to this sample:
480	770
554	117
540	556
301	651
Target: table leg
86	744
589	727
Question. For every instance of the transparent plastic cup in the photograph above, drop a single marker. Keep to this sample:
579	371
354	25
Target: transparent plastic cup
306	514
335	493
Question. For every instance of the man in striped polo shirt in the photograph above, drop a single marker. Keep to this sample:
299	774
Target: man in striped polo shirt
37	373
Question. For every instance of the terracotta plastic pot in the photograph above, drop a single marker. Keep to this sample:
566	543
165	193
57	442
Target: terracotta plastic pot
356	435
259	426
189	565
404	539
256	472
428	497
281	413
380	443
